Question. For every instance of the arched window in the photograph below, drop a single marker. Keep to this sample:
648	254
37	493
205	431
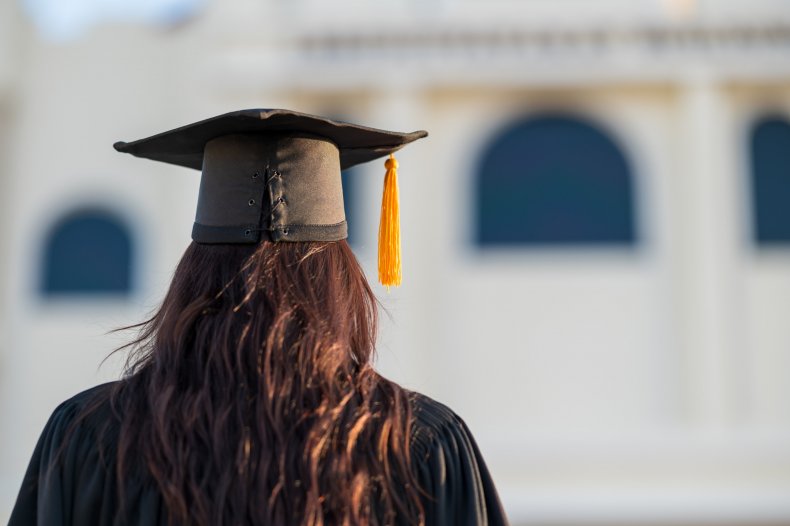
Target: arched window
87	252
350	180
554	180
770	160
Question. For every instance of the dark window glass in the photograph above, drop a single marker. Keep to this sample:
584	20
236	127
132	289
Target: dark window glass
87	252
350	180
554	180
770	159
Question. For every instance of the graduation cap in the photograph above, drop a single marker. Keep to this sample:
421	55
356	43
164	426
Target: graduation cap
275	174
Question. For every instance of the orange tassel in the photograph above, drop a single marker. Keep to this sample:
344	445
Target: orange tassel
389	228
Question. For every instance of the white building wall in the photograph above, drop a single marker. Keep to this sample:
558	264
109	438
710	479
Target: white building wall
636	385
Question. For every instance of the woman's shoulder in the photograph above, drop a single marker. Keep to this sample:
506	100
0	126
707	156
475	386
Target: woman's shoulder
89	395
431	417
450	468
430	409
95	398
77	423
436	426
66	471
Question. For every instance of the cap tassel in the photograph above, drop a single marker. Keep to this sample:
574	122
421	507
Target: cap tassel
389	228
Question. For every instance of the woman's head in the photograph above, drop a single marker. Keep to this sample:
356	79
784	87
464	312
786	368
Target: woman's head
250	396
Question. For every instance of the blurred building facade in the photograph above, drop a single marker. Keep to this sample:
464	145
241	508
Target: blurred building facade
596	232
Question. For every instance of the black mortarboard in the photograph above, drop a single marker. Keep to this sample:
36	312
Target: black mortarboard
275	174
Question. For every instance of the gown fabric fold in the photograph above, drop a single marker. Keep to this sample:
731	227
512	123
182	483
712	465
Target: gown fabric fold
80	488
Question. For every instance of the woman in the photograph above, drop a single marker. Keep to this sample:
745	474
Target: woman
249	396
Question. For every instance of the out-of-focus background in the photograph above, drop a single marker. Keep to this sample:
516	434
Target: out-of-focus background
596	233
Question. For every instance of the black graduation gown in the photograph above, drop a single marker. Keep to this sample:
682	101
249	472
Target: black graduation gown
82	491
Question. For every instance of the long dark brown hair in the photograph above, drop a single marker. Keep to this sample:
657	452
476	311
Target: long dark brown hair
250	397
